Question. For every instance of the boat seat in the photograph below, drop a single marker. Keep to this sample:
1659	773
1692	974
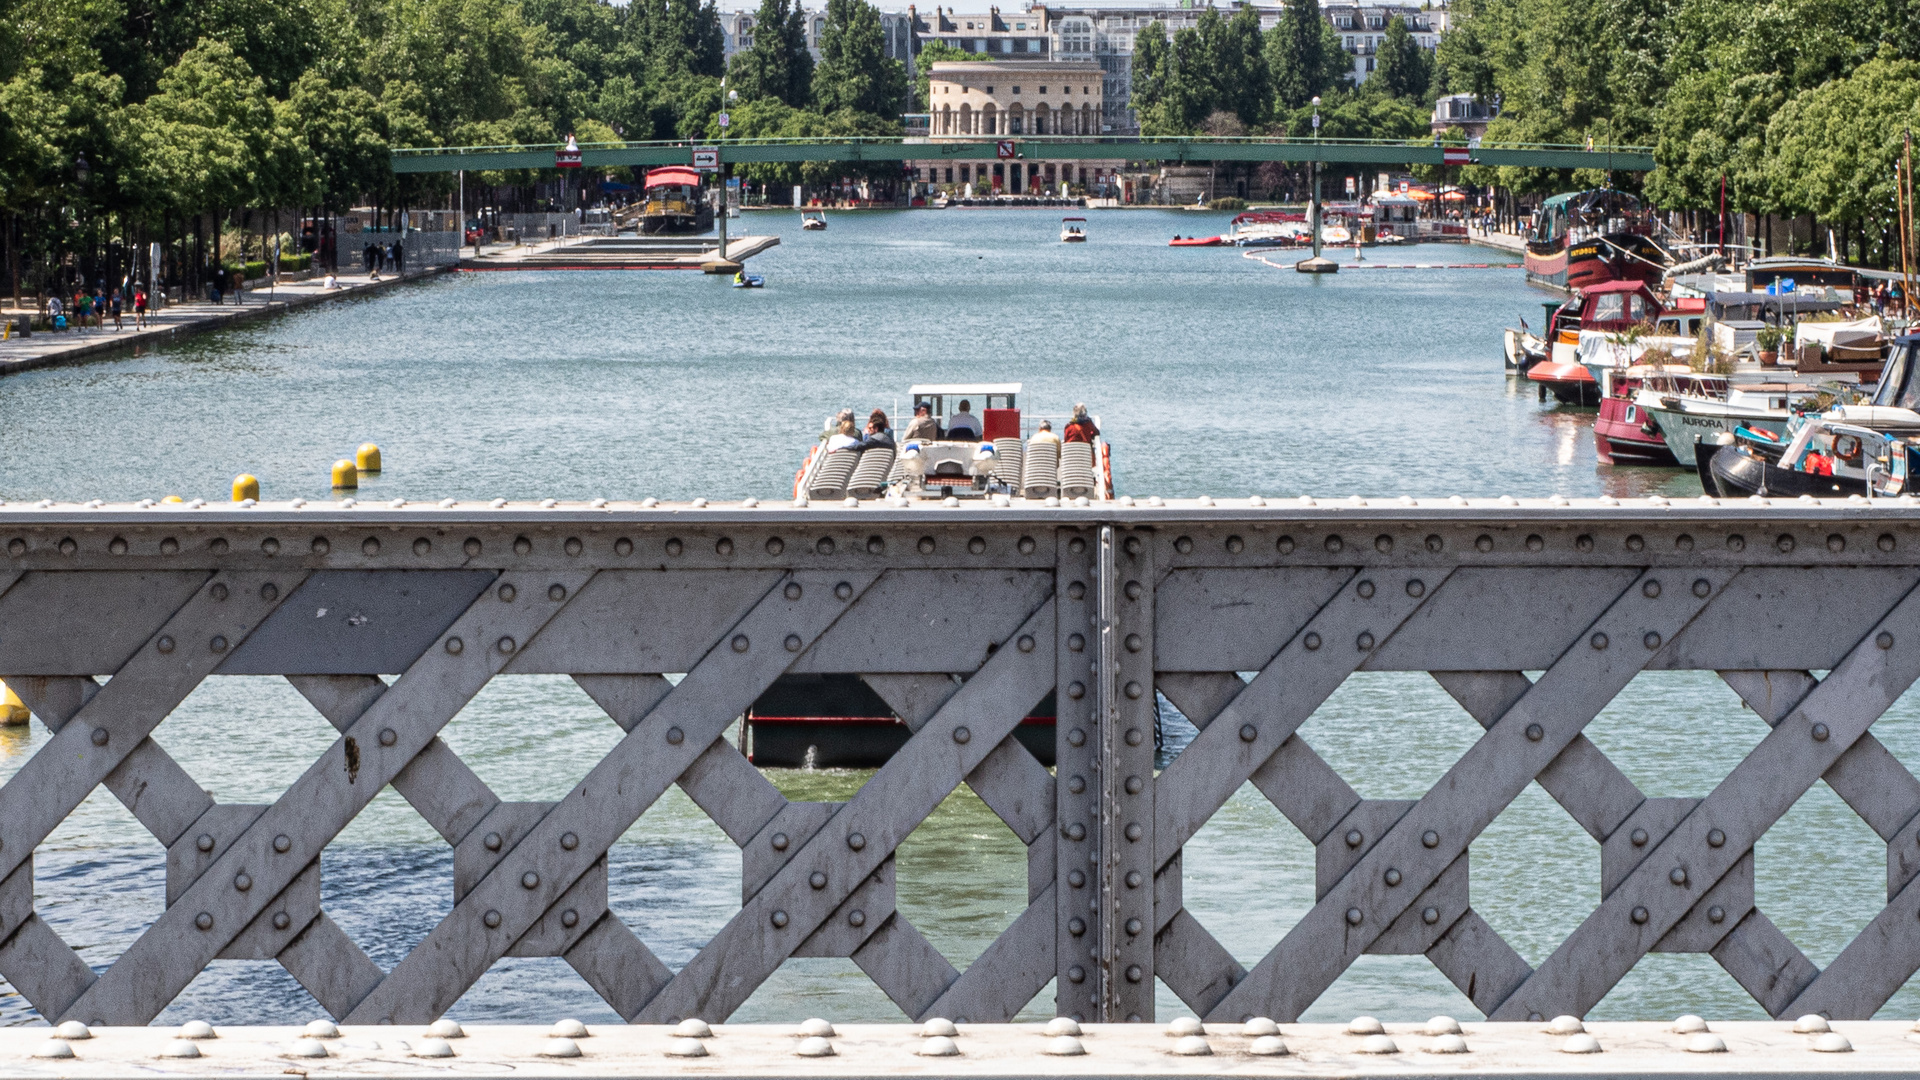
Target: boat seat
1076	476
1040	473
871	474
1006	460
831	476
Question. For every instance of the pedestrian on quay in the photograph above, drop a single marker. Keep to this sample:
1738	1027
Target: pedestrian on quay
54	314
118	302
139	308
399	259
82	308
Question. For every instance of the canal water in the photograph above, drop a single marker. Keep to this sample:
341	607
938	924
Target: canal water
1211	373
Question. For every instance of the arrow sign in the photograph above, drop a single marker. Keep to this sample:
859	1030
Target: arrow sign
706	157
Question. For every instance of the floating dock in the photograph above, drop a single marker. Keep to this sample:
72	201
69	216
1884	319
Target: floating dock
623	253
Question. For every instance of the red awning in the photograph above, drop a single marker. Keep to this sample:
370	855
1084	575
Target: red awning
673	174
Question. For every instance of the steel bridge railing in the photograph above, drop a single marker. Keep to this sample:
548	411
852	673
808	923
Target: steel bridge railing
1103	607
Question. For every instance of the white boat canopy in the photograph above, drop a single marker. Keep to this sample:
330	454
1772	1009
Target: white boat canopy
978	389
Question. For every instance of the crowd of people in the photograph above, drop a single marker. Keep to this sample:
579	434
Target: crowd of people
962	426
91	310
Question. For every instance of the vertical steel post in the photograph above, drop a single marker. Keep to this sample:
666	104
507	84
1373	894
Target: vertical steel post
1077	935
1125	683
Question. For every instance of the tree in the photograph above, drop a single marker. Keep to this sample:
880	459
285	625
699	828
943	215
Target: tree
1151	65
1243	81
1298	60
1834	146
778	65
855	72
1404	69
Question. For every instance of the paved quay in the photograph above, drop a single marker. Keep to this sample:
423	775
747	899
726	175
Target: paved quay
1440	1047
46	349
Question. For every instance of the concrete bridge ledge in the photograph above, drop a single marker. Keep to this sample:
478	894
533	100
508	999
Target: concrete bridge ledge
1752	1048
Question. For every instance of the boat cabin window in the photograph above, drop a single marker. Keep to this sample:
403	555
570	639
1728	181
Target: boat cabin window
1612	307
1897	388
948	404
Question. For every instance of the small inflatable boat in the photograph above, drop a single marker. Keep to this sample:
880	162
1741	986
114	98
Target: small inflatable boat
748	281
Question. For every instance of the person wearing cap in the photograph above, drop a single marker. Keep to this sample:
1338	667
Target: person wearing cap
922	425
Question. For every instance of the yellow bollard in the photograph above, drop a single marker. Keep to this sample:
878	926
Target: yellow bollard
345	474
173	499
13	711
245	486
367	458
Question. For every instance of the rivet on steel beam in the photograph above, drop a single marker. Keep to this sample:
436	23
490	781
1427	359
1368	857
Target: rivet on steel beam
269	592
1076	926
1135	832
388	736
1598	641
1819	733
793	643
1134	926
740	643
1435	543
491	919
1483	543
843	592
1784	542
1535	543
570	918
1135	643
1134	785
1639	837
1077	784
1678	875
99	736
370	546
1076	691
1716	914
492	841
505	645
1416	588
1364	642
422	546
1639	915
1134	974
454	645
1430	915
1248	733
203	842
529	880
1235	545
522	546
242	882
817	879
1076	831
219	590
856	917
472	547
1885	542
569	841
218	644
282	920
1365	589
204	920
1355	838
169	546
165	644
1076	974
1430	838
977	545
1075	736
1183	545
1134	590
1884	640
1716	838
1076	590
1583	542
1354	916
282	843
779	920
674	547
722	546
1383	543
1652	640
1135	879
675	736
118	545
1635	542
1311	641
1392	877
1836	543
1134	737
962	734
1535	733
856	841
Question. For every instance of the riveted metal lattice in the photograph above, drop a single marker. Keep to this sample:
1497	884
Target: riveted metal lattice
1098	611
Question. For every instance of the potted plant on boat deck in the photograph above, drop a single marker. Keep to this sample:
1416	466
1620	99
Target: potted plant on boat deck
1766	343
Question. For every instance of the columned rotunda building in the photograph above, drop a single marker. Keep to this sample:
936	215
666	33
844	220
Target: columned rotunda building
1018	100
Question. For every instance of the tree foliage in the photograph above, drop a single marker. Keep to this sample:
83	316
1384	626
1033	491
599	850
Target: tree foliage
778	66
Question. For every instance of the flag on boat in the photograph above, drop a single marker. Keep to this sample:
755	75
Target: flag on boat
1454	155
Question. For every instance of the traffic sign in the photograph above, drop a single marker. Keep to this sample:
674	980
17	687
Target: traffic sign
706	157
1006	148
1455	155
725	119
566	159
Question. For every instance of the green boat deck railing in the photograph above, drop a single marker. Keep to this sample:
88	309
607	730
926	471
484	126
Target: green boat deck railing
1047	148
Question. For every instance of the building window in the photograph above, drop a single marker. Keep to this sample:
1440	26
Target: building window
1016	91
1033	45
989	89
1043	89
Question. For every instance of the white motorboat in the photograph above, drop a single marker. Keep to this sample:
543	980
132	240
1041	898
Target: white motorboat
1073	230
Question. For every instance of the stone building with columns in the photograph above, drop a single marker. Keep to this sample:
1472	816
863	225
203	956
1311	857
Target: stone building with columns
1011	99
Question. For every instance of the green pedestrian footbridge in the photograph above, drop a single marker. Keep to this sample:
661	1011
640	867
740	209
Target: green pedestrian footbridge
1144	148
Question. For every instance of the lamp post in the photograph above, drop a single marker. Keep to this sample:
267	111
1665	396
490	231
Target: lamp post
1313	181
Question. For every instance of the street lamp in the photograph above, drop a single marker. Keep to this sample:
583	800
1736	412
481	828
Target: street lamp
81	170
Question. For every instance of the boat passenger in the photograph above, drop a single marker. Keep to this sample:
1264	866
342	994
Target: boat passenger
1081	429
878	433
1045	434
922	425
845	438
964	425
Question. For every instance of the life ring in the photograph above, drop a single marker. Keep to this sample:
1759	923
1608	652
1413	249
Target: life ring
801	476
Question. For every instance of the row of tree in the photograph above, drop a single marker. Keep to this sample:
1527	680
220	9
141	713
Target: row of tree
1781	108
129	121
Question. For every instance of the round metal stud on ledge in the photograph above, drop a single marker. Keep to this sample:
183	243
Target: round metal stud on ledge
54	1049
445	1028
559	1048
1364	1025
1268	1046
1257	1026
1832	1043
938	1026
1058	1046
1811	1024
1689	1025
1447	1044
433	1047
1706	1043
815	1028
1378	1044
1581	1043
1062	1025
321	1029
180	1048
568	1029
1192	1046
938	1046
72	1029
686	1048
1565	1025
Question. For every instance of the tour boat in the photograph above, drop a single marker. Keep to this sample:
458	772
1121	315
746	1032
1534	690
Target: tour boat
1583	238
812	220
1073	230
675	203
992	455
